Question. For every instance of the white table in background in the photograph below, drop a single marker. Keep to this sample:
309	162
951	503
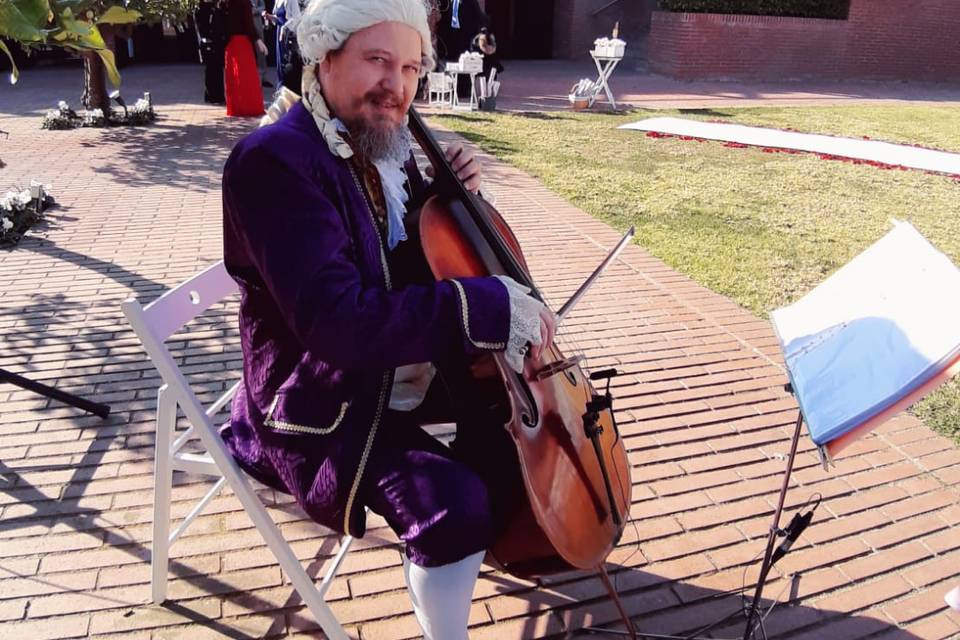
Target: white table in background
605	67
454	70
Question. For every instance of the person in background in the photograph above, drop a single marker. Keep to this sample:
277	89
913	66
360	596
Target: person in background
211	23
285	16
460	21
486	43
241	82
258	9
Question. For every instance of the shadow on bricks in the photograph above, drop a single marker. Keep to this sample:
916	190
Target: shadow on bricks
171	153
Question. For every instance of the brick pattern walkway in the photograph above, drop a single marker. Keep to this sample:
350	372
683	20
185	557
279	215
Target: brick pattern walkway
701	407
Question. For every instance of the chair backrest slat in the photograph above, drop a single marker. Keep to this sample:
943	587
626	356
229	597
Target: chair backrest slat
156	322
168	313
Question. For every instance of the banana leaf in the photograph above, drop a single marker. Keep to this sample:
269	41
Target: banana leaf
37	12
77	33
119	15
15	73
111	65
109	61
16	26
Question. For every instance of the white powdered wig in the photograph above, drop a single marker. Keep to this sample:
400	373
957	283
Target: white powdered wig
326	24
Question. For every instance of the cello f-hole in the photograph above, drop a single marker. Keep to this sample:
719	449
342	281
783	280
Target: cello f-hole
529	415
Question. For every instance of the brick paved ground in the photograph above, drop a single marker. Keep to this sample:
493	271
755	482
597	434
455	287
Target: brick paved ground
701	408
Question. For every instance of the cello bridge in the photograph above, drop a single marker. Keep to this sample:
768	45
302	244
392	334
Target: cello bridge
559	366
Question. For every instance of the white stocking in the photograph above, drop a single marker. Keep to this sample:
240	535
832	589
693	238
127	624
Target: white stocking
441	596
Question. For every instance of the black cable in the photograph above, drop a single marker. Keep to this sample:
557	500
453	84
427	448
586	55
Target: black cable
798	524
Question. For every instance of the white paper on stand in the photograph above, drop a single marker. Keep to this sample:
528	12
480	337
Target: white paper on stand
871	333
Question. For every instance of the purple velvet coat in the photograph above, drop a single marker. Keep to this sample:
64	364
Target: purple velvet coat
321	325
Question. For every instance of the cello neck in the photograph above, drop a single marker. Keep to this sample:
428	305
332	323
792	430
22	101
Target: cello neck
450	187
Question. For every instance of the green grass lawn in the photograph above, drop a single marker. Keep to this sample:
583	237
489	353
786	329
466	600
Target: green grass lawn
762	228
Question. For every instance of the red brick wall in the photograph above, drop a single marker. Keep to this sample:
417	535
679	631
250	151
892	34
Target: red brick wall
882	39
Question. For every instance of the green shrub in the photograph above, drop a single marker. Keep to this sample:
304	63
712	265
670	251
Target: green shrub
836	9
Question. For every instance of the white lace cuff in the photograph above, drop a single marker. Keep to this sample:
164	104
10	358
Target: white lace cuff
524	322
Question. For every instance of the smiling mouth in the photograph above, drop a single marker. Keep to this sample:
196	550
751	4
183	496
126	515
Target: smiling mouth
386	106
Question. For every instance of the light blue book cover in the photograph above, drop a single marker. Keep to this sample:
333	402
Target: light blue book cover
871	333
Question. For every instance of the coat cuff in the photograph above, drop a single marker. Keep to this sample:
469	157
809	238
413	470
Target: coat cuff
484	307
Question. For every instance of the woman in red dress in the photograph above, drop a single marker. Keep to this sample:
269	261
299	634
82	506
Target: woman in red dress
240	76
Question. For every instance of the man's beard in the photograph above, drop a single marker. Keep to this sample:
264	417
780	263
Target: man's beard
381	143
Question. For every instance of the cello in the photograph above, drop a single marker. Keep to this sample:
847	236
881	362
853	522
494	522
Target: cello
559	437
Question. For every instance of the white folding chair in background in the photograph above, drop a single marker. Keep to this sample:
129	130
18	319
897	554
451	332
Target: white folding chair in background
154	324
442	86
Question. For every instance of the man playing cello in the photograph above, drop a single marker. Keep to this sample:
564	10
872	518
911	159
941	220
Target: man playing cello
338	343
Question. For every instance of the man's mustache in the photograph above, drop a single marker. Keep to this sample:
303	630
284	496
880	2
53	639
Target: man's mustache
382	96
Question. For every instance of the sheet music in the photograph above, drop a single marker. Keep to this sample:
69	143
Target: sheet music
871	333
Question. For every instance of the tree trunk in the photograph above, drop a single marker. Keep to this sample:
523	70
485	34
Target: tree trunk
94	82
94	75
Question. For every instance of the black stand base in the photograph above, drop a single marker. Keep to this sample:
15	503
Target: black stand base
95	408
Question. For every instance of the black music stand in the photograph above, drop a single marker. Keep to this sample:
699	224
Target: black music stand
791	534
96	408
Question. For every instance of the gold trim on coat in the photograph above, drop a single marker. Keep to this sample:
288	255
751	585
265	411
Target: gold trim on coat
300	428
465	317
387	375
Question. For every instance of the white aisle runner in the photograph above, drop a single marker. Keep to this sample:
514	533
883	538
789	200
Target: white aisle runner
884	152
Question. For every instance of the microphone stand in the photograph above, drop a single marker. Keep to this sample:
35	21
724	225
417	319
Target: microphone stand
768	556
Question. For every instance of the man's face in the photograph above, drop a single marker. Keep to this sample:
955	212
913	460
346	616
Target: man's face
370	82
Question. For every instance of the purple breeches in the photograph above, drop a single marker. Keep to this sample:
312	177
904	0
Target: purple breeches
435	504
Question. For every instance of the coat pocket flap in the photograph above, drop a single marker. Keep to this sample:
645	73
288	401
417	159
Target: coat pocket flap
293	412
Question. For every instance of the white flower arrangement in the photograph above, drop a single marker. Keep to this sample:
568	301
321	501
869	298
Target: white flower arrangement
141	112
609	47
63	117
19	208
584	93
15	199
93	118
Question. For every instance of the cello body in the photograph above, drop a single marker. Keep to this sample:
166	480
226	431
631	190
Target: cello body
534	428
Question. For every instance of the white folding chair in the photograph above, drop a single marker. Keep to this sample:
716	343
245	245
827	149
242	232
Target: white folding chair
471	63
440	85
154	324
